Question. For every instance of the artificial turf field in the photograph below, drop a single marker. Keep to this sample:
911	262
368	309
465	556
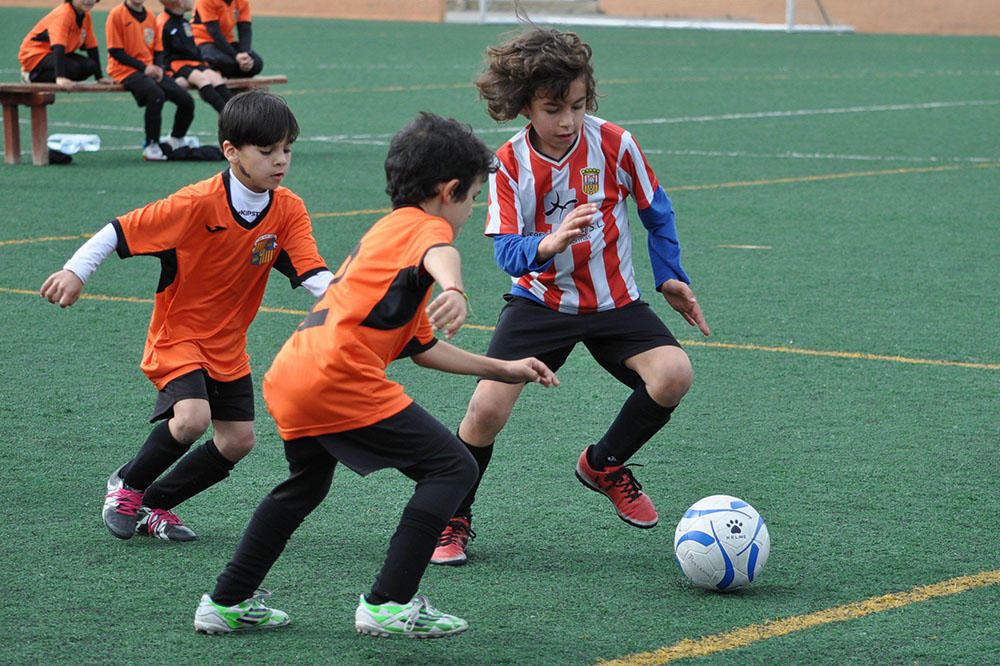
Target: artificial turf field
837	202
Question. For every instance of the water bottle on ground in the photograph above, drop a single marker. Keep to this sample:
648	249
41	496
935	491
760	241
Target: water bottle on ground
74	143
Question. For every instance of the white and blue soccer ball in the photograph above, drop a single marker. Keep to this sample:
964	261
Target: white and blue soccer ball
721	543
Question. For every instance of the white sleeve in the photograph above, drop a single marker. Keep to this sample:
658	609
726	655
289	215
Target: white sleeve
317	284
85	261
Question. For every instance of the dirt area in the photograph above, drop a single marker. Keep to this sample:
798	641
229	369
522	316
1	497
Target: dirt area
942	17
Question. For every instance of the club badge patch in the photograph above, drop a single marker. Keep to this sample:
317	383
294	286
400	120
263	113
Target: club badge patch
591	180
264	249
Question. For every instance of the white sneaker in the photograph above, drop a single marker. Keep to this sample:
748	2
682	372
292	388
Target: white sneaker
416	619
248	615
174	142
153	153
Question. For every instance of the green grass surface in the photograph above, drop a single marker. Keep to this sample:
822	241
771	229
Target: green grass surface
866	165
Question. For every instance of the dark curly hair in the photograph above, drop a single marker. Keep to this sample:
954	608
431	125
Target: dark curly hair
538	62
432	150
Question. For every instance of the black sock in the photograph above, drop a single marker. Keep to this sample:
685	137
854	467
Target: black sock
212	96
640	418
410	551
263	541
201	468
224	91
483	455
157	454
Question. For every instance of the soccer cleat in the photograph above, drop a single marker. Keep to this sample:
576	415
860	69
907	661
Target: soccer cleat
451	544
121	507
248	615
153	153
416	619
163	524
617	484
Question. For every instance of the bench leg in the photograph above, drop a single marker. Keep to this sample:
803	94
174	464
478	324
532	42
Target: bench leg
11	135
39	135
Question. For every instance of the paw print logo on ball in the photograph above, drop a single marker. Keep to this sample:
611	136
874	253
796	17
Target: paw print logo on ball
735	526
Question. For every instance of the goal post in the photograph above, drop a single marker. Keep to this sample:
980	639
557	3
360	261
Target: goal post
774	15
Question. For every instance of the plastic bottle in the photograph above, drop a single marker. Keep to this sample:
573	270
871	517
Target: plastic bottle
74	143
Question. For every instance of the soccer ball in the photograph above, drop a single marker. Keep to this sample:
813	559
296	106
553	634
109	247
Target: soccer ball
721	543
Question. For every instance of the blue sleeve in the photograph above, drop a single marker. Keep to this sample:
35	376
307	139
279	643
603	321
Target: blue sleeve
515	254
664	248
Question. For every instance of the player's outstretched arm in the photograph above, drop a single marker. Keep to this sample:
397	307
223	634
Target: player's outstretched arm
449	310
447	357
682	299
570	229
62	287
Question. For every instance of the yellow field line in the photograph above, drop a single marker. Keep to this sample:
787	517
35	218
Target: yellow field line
830	176
860	356
737	638
747	183
42	239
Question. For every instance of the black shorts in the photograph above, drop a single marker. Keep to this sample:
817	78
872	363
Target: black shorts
147	91
525	328
229	401
410	439
185	71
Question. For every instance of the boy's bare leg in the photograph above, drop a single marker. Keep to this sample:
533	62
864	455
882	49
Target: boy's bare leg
488	411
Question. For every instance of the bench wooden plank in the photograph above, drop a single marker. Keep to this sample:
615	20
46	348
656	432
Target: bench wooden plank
38	96
235	84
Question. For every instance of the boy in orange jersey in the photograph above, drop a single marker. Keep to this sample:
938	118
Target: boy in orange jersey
328	391
182	57
136	61
48	53
217	241
214	23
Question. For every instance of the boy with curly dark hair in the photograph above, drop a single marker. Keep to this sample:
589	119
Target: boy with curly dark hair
560	227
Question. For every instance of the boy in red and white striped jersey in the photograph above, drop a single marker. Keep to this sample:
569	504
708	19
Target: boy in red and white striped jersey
560	227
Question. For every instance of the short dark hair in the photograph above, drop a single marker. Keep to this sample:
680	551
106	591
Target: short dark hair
540	61
257	118
431	150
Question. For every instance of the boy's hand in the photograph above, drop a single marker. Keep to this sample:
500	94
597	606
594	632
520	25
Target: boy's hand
573	228
245	61
154	72
62	287
106	81
682	299
448	312
528	370
65	82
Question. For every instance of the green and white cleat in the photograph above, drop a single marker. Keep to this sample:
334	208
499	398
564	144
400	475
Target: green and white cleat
248	615
417	619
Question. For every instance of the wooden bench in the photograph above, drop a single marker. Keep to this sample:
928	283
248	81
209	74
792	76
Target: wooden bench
38	96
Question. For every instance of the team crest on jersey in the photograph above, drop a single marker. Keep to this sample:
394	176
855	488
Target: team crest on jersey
147	35
591	180
264	249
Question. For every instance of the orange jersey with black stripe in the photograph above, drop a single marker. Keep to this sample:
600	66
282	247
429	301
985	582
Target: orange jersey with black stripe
62	26
139	39
330	376
179	49
227	12
214	267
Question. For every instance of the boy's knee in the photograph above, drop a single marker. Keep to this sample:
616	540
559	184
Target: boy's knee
672	381
236	446
486	416
187	428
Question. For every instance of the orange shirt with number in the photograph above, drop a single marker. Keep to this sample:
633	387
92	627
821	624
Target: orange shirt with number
330	376
214	266
139	39
228	14
62	26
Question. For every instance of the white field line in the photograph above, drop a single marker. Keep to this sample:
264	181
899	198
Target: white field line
383	139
